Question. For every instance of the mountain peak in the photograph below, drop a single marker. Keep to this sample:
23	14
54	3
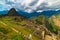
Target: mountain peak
13	12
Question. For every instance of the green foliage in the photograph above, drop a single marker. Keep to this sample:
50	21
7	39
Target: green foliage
53	23
18	19
3	30
41	19
54	28
18	37
50	27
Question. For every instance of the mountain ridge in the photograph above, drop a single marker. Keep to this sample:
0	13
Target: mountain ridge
13	12
48	13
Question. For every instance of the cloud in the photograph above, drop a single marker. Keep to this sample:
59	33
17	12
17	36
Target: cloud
29	5
4	6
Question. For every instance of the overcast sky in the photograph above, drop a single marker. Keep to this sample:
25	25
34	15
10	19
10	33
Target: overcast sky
29	5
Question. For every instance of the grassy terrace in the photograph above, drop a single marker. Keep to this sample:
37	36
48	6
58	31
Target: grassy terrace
14	29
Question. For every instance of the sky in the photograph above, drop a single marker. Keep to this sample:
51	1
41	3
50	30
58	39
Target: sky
30	5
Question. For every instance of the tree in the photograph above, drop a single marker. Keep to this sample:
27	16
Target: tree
41	19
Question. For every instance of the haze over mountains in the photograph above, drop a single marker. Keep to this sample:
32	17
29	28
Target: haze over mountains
47	13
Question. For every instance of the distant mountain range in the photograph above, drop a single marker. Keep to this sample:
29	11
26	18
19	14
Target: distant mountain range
33	14
4	12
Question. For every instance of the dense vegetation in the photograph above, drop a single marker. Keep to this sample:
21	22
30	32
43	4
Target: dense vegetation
17	37
41	19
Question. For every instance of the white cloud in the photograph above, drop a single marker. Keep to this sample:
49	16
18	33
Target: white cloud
40	11
25	4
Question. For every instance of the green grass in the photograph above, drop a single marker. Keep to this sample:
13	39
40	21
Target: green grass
12	34
54	26
17	37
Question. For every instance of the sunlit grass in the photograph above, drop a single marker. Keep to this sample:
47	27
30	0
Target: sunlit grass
12	23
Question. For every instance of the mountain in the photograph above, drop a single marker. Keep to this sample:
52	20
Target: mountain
51	19
28	15
55	21
3	12
47	13
13	12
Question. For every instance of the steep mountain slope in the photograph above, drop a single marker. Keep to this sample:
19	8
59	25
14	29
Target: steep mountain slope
55	21
46	24
13	12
